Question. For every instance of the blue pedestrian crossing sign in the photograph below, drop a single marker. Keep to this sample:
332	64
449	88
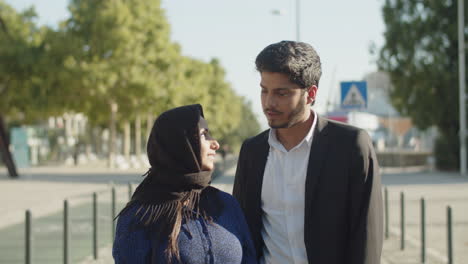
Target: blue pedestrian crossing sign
353	95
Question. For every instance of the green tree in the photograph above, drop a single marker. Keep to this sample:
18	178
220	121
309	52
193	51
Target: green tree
223	106
247	127
21	49
125	54
229	115
420	54
34	83
114	62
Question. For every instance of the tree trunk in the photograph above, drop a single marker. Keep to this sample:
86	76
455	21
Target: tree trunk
97	135
138	136
112	136
5	151
149	125
127	140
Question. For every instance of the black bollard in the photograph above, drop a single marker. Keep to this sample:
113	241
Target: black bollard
28	238
402	201
66	233
449	235
423	230
113	213
95	227
386	213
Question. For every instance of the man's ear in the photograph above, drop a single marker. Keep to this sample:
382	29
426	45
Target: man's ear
311	93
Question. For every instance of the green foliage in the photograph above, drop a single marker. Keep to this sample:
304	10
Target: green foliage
247	127
33	81
124	55
20	49
448	158
421	56
110	52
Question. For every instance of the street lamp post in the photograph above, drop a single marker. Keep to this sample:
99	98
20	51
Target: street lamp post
278	12
462	92
298	21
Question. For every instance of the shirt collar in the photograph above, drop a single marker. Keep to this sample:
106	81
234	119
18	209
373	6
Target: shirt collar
274	142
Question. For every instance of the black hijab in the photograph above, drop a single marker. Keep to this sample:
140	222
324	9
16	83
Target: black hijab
171	191
175	178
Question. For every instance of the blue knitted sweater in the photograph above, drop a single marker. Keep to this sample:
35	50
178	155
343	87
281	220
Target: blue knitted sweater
226	240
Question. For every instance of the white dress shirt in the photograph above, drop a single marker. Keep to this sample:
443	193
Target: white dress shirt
283	194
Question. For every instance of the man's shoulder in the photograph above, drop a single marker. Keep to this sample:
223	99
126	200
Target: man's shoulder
345	134
342	129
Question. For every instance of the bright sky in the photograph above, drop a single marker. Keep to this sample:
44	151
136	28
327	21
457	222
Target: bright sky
236	31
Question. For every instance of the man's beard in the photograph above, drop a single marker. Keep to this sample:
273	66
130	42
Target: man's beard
293	117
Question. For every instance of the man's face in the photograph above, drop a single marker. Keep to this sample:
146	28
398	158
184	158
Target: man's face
284	102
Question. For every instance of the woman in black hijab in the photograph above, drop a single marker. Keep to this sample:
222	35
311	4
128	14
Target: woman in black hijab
174	216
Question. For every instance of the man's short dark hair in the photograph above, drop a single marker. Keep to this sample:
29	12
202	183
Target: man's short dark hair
298	60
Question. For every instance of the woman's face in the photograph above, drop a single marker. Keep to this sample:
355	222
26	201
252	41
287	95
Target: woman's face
208	146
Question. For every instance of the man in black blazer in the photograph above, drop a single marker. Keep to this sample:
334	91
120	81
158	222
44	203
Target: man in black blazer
310	187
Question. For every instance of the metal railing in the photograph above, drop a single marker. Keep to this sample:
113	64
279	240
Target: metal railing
84	225
402	233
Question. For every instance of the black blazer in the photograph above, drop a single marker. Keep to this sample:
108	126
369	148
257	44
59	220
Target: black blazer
343	200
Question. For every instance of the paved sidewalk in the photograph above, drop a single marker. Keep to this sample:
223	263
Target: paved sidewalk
439	191
42	190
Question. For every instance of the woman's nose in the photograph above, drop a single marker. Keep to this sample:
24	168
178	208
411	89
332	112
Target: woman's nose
215	144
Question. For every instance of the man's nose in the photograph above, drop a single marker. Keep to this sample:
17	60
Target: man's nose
270	101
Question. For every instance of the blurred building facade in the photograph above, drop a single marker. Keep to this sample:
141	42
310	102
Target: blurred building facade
387	128
70	140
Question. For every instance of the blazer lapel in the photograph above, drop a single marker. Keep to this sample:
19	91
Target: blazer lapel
318	153
259	160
